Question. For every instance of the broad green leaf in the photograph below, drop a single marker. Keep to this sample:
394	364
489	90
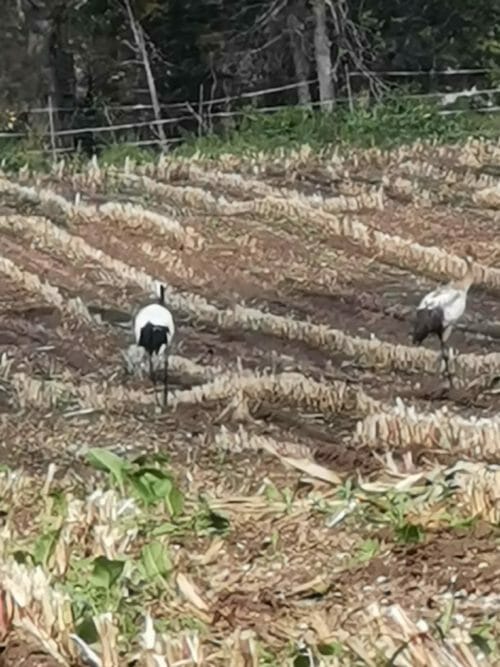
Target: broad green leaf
102	459
44	547
87	631
153	485
175	501
59	503
106	572
271	493
409	533
211	523
141	489
335	648
155	560
161	487
164	529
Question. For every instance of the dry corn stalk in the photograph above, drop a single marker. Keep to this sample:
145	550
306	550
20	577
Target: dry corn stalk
402	162
403	426
418	159
163	650
38	610
139	217
461	176
488	196
103	512
242	440
473	153
32	283
428	260
194	372
367	198
414	645
125	214
12	484
47	235
293	388
240	649
477	487
108	640
293	454
50	393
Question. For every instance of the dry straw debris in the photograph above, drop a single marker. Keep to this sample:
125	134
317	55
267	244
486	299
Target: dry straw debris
404	426
98	395
242	388
477	487
124	214
32	283
366	198
411	644
293	454
488	197
407	254
37	610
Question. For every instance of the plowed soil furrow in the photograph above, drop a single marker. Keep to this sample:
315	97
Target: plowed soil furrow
33	333
253	349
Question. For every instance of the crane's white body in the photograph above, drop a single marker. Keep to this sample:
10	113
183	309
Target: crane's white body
439	310
450	300
154	330
157	315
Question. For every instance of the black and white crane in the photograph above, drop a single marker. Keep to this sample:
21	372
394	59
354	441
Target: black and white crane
439	311
154	330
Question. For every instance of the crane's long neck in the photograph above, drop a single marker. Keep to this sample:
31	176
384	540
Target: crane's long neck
465	282
161	298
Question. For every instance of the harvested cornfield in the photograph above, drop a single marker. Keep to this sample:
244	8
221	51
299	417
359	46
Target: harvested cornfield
315	493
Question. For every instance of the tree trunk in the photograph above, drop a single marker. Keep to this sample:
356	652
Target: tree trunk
38	76
323	56
295	24
62	73
141	46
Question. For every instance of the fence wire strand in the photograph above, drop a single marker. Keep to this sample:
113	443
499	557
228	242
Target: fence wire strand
452	96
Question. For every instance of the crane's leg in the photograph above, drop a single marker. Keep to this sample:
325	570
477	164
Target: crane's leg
152	376
445	353
165	377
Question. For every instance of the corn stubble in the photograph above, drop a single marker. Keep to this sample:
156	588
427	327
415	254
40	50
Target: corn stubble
107	521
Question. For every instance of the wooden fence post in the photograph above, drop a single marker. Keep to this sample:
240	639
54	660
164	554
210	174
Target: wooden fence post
52	130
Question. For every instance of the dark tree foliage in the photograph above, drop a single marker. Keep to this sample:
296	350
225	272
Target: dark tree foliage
82	53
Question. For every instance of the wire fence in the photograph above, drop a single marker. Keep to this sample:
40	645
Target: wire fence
200	116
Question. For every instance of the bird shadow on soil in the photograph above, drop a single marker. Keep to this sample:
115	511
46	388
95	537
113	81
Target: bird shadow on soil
465	396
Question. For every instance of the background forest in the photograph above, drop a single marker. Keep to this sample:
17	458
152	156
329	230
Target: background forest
123	63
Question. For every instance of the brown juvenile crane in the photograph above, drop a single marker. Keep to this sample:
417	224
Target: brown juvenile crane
439	311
